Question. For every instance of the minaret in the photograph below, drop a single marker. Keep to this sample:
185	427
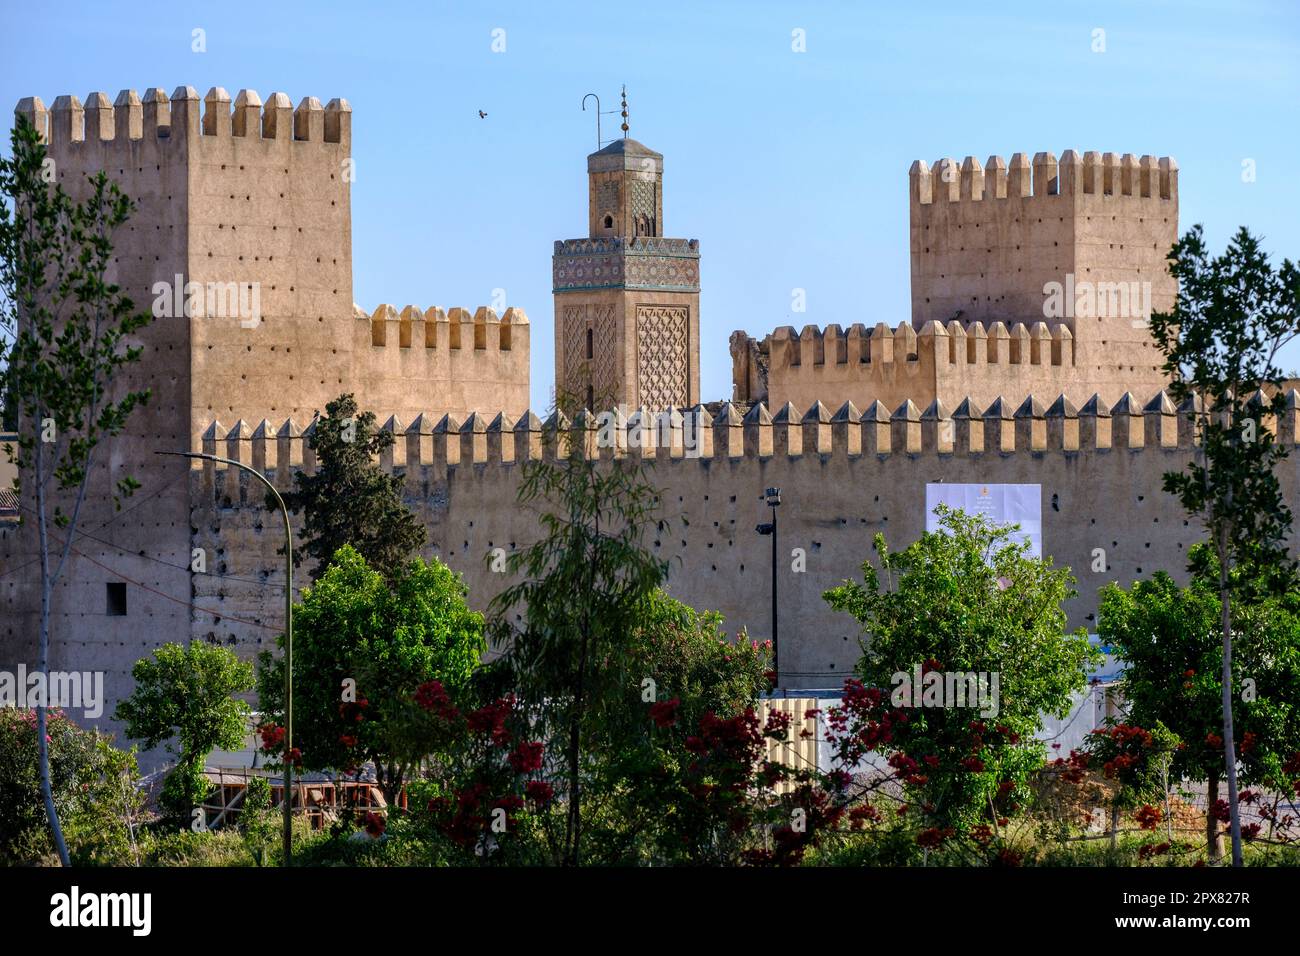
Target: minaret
627	300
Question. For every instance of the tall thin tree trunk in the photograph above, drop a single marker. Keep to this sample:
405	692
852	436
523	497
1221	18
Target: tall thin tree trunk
1213	845
43	664
1229	747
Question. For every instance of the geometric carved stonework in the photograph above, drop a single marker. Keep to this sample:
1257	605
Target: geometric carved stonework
662	355
600	372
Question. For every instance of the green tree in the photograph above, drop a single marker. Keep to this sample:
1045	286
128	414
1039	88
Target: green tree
361	649
586	581
349	500
257	824
94	787
64	330
1233	314
1168	638
963	600
185	692
680	666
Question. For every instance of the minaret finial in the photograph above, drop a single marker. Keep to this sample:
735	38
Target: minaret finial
625	111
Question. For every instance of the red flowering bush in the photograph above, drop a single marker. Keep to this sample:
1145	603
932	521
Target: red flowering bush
483	791
664	713
964	650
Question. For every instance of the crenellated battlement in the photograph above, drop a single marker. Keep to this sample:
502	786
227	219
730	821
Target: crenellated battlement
993	242
456	328
1093	173
184	118
959	343
428	451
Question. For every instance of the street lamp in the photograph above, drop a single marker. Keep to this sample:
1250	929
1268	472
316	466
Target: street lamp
773	499
288	639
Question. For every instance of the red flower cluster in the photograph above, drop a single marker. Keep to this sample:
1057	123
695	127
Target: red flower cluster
664	713
934	837
539	791
778	725
491	719
1074	768
347	740
1153	849
352	711
433	697
820	815
863	814
1250	831
272	737
1213	741
527	757
1148	817
375	824
1221	811
973	764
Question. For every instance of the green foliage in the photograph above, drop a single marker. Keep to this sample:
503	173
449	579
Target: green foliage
353	625
1233	314
965	599
680	662
257	821
185	692
348	500
64	329
1168	638
94	788
585	583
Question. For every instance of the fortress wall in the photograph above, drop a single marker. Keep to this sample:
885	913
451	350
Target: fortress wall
984	240
845	476
411	360
892	365
144	144
270	207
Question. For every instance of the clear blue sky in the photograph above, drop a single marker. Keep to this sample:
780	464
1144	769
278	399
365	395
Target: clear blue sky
790	168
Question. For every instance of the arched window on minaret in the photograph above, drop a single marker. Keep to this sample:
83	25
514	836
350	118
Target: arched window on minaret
590	350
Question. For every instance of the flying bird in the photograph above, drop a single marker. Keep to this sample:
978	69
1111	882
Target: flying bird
482	115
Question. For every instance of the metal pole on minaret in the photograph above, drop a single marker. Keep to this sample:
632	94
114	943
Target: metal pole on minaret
625	111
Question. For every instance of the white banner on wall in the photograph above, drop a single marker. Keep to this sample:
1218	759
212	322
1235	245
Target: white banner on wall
1000	504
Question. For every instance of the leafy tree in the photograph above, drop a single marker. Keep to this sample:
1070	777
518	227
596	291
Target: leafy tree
1138	761
586	581
680	667
64	328
94	787
257	823
963	600
349	500
1233	314
1168	637
186	693
361	648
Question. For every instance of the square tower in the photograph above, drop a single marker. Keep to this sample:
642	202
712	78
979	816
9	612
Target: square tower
627	300
1080	244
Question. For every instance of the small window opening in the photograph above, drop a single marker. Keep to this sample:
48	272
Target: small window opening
116	594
